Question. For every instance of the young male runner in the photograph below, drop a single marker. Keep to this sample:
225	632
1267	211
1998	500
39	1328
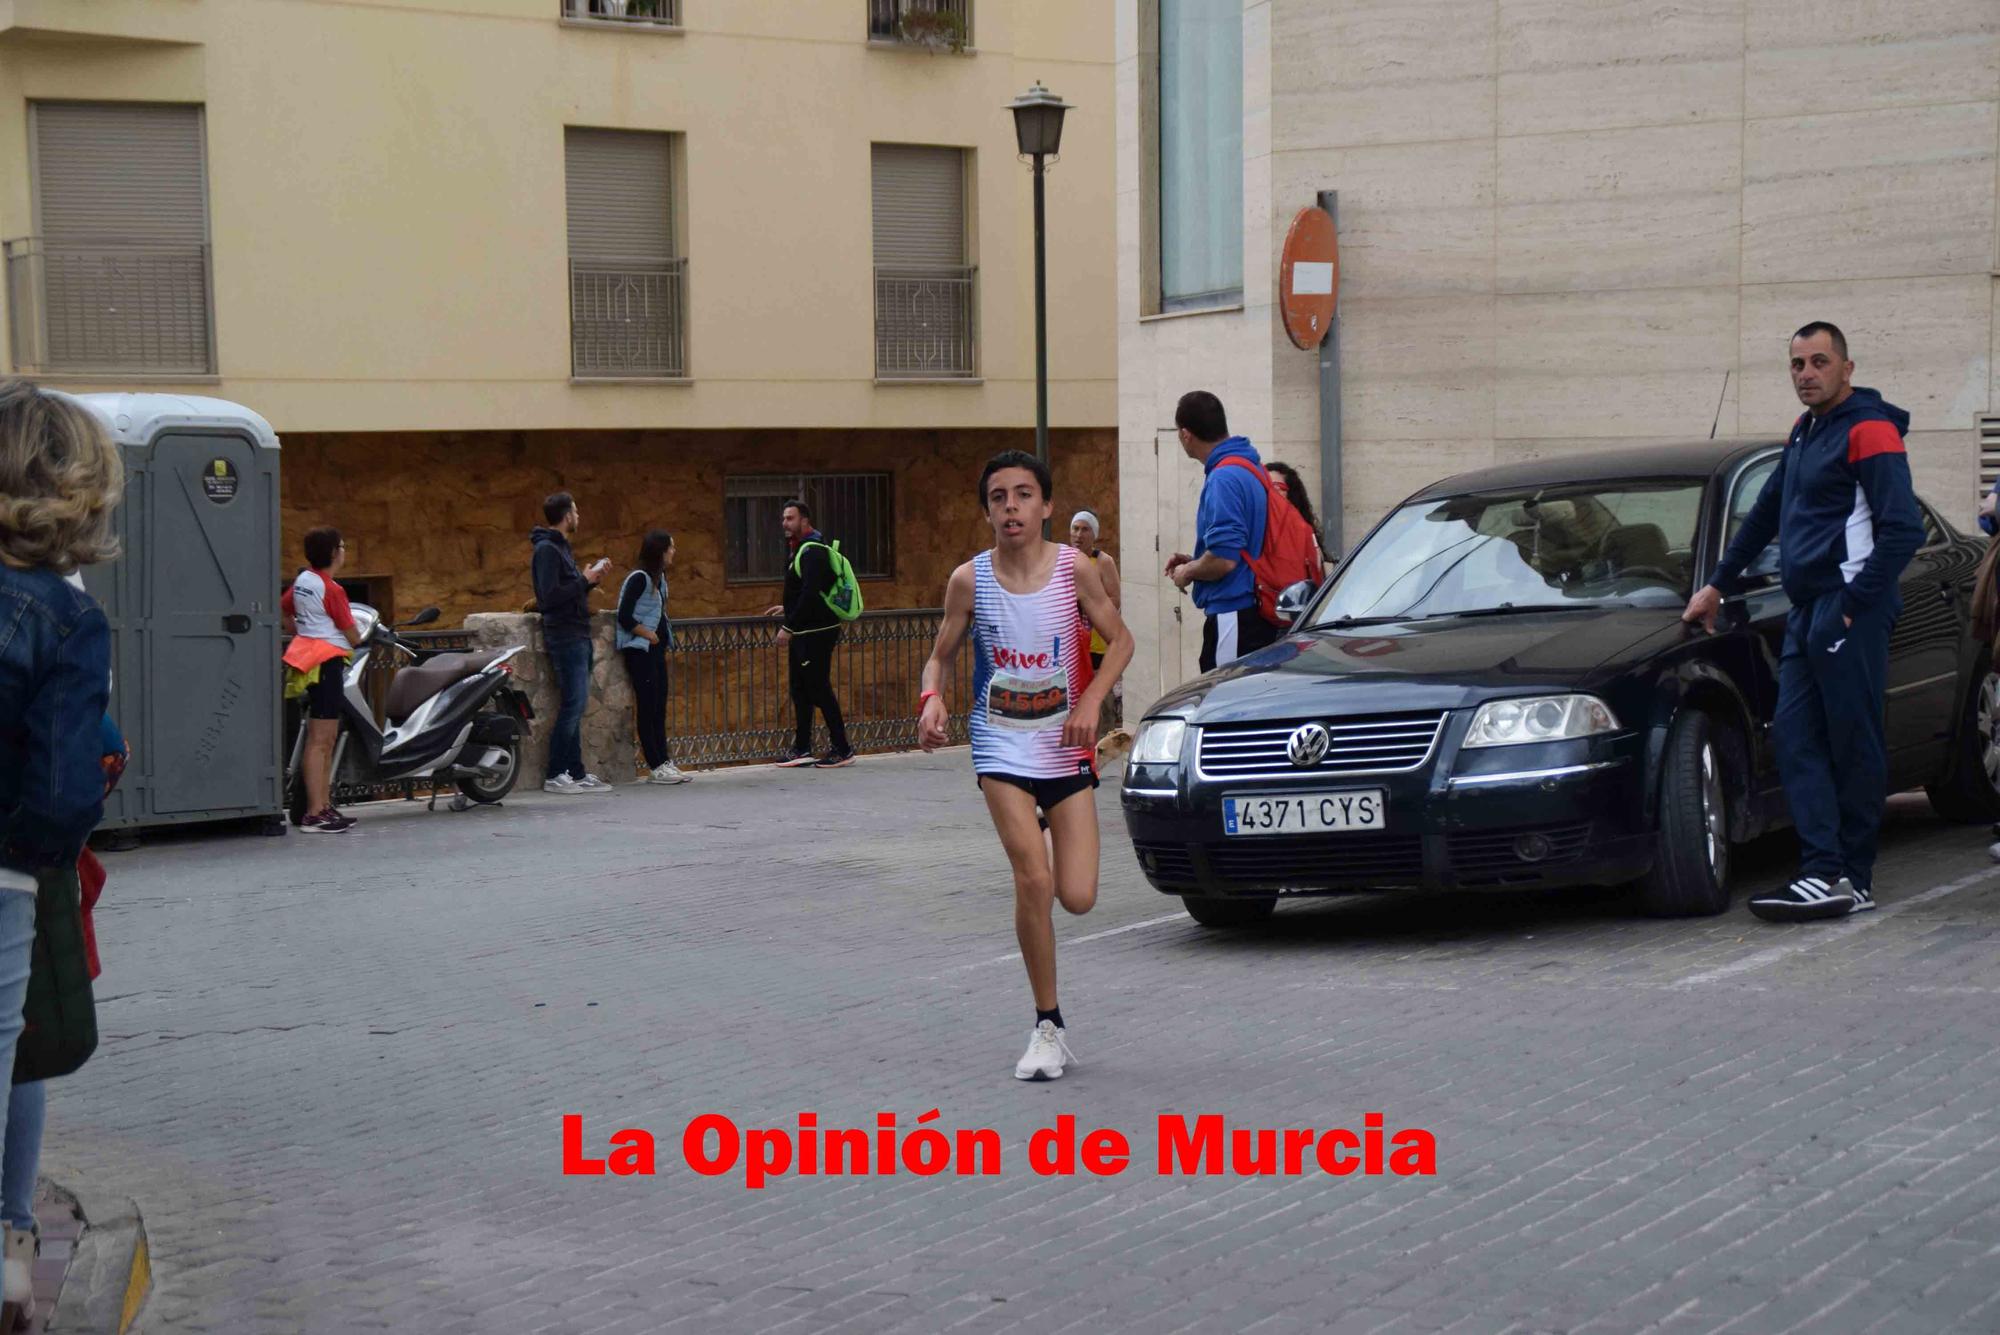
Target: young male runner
1034	716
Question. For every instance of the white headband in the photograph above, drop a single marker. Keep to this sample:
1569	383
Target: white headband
1087	517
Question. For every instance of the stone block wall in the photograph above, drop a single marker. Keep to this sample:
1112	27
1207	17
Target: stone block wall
610	745
447	514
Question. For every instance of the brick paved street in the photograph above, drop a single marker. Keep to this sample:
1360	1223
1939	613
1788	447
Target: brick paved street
334	1070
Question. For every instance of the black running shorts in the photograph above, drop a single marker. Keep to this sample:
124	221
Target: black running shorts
1047	792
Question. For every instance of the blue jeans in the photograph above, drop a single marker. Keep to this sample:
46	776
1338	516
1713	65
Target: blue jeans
27	1106
23	1148
571	661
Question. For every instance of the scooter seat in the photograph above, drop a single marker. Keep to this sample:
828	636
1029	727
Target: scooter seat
413	685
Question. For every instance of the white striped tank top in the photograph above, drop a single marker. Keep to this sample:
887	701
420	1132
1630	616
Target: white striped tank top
1031	662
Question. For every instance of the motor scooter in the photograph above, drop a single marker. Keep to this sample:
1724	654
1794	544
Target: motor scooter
450	715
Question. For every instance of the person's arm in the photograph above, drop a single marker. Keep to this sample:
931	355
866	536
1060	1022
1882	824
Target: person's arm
1227	535
291	626
62	780
340	610
555	587
934	717
1081	727
1108	568
1875	452
628	601
1987	505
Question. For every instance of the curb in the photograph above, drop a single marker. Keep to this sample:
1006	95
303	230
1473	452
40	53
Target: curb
109	1273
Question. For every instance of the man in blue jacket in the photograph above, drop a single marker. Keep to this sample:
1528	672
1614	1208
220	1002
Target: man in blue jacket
1229	522
1841	506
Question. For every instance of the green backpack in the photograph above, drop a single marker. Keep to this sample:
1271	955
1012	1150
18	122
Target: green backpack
844	598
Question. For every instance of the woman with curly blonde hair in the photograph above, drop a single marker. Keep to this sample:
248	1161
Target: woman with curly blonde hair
60	478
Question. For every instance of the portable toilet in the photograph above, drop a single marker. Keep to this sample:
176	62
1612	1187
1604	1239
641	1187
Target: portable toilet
193	605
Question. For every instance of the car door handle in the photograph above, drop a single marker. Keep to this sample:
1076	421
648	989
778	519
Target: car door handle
237	624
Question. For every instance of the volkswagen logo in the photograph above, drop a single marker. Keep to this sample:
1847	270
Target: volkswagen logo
1308	745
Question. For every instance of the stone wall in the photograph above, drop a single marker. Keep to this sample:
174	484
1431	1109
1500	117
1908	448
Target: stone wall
446	515
609	741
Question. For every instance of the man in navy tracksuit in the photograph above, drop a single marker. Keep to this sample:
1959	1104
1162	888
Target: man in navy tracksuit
1841	506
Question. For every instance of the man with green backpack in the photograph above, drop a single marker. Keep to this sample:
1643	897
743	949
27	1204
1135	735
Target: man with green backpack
820	594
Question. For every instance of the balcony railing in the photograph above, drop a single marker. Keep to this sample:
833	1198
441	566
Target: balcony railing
115	307
628	318
942	25
926	322
659	13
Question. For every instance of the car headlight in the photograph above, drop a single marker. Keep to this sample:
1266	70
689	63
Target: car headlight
1539	718
1159	741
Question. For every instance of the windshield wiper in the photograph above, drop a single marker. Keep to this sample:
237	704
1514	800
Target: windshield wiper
1343	622
1512	609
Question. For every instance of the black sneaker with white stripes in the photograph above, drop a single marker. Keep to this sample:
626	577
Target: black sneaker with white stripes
1806	899
1864	899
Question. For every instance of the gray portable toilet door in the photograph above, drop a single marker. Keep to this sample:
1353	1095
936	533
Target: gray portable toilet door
212	648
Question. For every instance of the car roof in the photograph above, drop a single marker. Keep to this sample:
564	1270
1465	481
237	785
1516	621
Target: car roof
1689	459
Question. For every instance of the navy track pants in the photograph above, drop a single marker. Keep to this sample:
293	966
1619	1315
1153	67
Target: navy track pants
1828	734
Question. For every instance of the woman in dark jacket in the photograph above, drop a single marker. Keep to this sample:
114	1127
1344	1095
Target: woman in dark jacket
60	478
644	635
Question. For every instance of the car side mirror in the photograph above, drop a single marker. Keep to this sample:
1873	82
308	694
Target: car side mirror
1293	598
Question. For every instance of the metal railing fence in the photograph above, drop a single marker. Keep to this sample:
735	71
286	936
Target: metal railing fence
666	13
944	24
109	306
926	323
628	318
729	694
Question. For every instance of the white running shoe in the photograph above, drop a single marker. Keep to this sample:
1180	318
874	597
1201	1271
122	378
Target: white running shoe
669	773
1047	1052
590	783
563	785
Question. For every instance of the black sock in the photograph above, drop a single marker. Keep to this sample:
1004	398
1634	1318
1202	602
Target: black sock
1054	1015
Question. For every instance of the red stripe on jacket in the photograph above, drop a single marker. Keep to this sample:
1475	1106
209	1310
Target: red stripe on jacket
1869	439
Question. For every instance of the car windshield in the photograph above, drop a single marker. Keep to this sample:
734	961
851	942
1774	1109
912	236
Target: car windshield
1573	545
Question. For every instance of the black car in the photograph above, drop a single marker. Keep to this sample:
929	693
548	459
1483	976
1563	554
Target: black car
1496	690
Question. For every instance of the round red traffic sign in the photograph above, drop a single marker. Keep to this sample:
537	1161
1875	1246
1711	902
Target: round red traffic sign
1309	277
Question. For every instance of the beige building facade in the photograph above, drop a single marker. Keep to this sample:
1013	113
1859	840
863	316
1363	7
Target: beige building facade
652	243
1566	226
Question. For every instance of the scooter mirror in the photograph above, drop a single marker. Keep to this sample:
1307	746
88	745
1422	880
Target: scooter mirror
423	618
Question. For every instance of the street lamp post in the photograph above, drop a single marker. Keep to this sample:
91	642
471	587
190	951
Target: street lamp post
1038	122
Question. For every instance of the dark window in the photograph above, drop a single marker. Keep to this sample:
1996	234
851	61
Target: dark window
855	509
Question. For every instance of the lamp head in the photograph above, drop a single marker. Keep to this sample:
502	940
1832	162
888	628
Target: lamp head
1038	121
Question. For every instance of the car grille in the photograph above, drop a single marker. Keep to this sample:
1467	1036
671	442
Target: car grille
1341	860
1368	744
1490	855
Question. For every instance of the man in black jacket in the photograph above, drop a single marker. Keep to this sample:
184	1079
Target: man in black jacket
562	592
810	633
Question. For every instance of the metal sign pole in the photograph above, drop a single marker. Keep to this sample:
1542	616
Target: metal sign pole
1329	414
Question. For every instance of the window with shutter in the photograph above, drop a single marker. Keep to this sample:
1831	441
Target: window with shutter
926	313
627	277
854	508
116	277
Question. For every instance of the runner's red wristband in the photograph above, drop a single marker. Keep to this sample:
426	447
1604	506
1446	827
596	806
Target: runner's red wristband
925	699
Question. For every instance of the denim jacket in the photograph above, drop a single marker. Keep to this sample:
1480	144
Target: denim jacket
55	665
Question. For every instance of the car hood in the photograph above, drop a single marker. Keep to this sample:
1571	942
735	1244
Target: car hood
1442	664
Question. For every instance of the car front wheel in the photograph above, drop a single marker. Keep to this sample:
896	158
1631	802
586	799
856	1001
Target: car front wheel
1219	913
1690	875
1969	790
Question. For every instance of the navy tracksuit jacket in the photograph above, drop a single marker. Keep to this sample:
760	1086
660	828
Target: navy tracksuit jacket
1843	511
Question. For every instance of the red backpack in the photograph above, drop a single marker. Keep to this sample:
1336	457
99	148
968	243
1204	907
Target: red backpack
1291	552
